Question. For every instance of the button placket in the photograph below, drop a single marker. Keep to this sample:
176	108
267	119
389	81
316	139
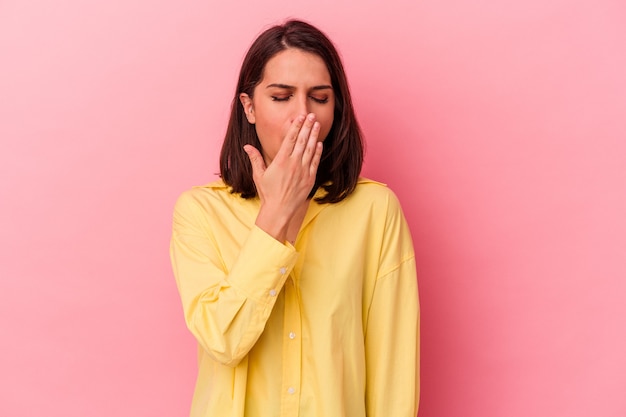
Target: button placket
292	351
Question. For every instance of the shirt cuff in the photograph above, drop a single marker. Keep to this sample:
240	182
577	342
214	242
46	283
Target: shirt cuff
263	266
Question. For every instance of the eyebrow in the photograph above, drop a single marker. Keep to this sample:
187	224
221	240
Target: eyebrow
291	87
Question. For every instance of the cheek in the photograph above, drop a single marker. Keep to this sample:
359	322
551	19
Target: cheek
269	125
271	130
326	122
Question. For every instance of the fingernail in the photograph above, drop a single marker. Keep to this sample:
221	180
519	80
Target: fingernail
311	116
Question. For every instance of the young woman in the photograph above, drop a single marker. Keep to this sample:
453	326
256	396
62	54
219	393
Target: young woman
297	276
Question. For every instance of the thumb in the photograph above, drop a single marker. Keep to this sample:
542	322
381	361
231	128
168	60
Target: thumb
256	160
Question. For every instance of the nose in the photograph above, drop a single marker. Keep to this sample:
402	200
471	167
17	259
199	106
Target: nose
301	107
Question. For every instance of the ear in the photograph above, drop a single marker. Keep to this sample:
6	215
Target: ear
248	109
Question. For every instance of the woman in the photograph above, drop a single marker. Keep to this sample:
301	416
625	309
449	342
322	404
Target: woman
297	277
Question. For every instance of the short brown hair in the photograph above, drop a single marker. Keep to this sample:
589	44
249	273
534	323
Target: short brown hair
342	157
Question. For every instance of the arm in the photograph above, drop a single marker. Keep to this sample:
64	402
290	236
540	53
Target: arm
226	310
392	328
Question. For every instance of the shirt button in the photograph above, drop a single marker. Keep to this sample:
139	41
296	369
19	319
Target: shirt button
273	293
291	390
292	335
283	270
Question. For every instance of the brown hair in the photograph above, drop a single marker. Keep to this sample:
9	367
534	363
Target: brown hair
342	156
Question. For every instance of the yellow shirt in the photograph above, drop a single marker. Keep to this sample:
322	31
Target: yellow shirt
328	327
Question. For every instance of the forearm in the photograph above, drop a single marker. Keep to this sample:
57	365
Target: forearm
227	289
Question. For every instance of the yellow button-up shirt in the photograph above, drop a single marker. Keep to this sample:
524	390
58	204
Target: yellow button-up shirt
327	327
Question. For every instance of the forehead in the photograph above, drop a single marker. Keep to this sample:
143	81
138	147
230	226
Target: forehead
296	67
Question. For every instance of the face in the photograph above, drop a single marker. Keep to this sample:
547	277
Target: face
294	83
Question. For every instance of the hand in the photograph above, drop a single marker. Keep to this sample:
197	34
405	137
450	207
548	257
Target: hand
285	184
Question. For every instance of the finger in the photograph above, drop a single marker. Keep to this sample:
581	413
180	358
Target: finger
256	160
317	157
303	136
311	145
290	138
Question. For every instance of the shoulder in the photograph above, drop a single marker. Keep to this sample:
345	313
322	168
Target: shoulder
206	198
384	211
373	193
205	191
371	203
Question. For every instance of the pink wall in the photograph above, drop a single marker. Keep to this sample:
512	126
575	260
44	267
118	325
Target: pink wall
500	125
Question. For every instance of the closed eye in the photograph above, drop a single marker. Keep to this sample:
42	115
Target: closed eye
275	98
320	100
286	98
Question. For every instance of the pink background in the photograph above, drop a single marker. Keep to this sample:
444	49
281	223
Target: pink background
501	125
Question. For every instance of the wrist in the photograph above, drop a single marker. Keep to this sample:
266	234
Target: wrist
273	222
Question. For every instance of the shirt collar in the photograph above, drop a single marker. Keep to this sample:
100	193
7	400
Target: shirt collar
220	184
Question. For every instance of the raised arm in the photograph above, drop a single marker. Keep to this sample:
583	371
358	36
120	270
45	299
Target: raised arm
226	306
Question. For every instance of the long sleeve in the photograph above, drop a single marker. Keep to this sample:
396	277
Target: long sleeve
392	328
328	327
226	303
